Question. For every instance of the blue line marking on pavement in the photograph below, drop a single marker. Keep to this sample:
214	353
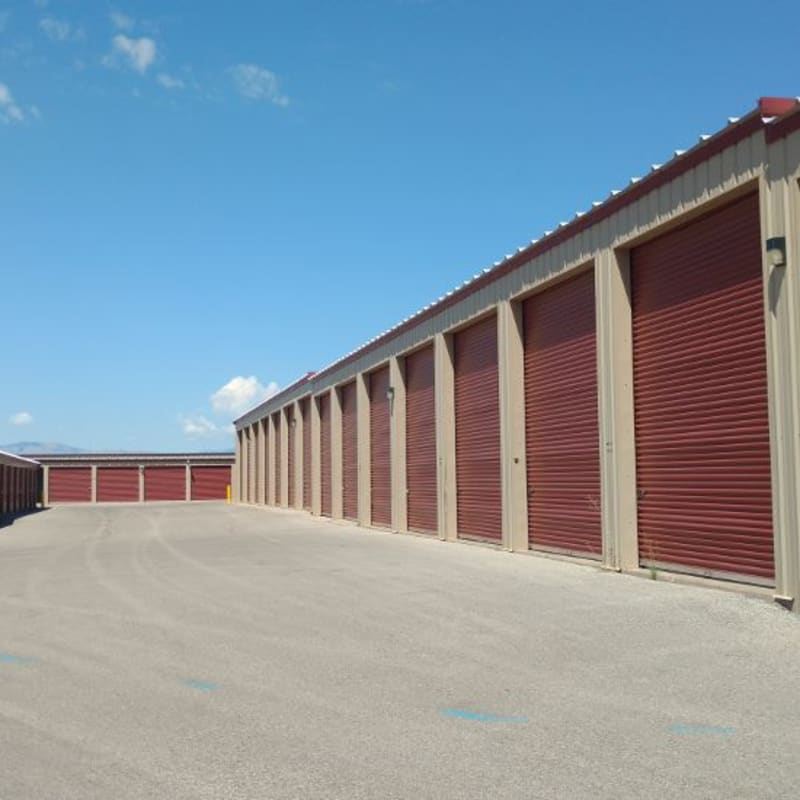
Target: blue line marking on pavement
9	658
457	713
201	686
701	730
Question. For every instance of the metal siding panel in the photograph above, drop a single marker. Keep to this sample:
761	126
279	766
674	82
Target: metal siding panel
561	424
290	439
326	494
117	484
276	465
380	448
210	483
700	389
70	485
349	451
305	407
477	405
164	483
421	441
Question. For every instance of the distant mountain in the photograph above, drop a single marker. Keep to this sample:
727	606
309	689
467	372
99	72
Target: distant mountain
31	448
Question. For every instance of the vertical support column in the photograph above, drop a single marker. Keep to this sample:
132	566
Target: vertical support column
397	438
446	436
337	494
316	459
298	455
363	454
141	479
246	465
511	366
271	445
45	486
236	475
780	207
188	495
615	410
283	438
94	483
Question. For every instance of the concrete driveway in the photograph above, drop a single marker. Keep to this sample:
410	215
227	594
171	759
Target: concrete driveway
206	651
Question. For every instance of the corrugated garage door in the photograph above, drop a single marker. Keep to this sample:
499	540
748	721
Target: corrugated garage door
117	484
477	402
380	448
252	493
561	428
264	458
700	388
276	456
349	451
305	405
421	441
324	401
290	429
165	483
210	483
70	485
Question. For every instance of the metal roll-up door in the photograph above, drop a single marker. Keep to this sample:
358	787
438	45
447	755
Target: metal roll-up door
210	482
164	483
326	494
70	485
290	430
562	437
117	484
477	407
252	469
264	465
305	406
421	478
700	392
380	448
349	451
276	456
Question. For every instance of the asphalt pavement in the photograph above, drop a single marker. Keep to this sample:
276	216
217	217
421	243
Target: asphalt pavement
212	651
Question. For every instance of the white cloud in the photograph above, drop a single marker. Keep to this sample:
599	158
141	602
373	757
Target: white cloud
121	21
139	54
169	81
21	418
241	393
9	110
197	425
257	83
56	29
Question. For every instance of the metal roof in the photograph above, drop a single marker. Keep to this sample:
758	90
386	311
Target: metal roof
13	458
780	112
138	458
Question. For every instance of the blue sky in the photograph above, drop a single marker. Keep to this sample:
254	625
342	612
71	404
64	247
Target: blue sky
196	196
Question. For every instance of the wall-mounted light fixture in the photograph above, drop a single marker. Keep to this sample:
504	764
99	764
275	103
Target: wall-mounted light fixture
776	251
390	394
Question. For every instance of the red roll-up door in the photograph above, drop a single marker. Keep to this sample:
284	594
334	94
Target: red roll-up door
264	462
165	483
290	429
253	468
305	405
324	401
700	390
561	429
349	451
477	405
117	484
70	485
210	483
380	448
421	441
276	464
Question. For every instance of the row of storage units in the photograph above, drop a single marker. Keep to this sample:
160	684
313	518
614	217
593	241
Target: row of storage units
622	390
19	483
133	478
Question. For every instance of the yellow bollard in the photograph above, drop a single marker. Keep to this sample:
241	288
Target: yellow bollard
228	494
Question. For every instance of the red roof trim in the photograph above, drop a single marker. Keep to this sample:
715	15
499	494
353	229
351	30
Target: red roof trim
785	126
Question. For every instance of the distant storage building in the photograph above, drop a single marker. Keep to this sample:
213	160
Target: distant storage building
623	389
19	483
134	477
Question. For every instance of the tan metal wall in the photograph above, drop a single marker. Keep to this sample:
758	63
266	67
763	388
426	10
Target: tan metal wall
747	164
